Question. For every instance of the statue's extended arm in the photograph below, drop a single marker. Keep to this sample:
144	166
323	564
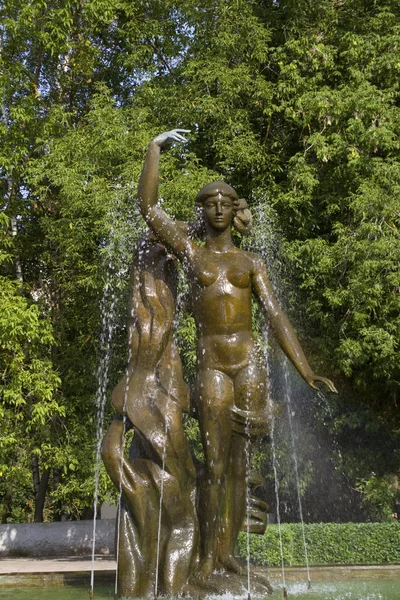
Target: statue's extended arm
162	226
283	330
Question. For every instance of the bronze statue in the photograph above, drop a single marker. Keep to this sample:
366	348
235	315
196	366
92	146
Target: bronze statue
231	384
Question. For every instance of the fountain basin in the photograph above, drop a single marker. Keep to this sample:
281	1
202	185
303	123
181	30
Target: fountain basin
69	578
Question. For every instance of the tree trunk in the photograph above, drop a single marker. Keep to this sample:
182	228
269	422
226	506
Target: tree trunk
35	475
41	496
6	506
14	233
58	511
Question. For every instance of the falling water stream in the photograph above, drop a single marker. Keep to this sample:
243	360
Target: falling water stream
118	250
295	462
182	290
274	459
107	330
161	503
248	468
328	409
121	465
278	513
267	242
119	502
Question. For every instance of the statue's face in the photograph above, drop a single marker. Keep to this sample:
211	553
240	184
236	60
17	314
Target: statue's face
218	212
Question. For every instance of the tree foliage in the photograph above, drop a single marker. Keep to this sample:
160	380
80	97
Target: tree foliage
296	104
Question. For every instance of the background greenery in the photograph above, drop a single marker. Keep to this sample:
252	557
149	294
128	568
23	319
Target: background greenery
296	104
327	544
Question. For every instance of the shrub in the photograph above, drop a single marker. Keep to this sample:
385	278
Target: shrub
327	543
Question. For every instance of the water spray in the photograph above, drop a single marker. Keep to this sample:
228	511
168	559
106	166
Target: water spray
248	466
161	504
107	329
295	464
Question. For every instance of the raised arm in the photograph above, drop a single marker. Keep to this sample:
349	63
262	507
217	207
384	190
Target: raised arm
164	228
283	330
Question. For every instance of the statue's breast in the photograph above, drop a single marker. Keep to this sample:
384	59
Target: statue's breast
226	270
238	277
206	275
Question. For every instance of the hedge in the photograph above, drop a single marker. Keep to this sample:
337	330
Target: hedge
327	544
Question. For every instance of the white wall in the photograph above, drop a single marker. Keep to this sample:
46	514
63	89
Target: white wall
67	538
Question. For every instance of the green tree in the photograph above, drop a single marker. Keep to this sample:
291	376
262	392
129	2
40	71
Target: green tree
339	205
296	104
31	406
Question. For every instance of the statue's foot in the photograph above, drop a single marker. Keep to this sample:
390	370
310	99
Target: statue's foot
233	564
203	572
206	580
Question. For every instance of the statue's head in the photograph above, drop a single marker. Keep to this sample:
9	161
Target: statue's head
220	206
211	190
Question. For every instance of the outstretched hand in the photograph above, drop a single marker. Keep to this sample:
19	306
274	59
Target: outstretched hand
164	140
312	379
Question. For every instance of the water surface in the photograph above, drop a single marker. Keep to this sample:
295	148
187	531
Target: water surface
372	589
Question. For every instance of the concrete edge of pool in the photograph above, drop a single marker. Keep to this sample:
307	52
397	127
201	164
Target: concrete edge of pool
31	572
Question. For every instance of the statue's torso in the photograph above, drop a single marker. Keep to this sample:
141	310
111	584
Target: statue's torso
221	291
221	297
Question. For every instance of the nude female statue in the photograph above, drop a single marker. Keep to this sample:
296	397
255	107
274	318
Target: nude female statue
231	377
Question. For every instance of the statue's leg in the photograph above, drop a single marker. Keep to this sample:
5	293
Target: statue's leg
214	396
249	395
251	388
234	506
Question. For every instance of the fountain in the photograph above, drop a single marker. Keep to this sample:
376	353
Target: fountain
179	521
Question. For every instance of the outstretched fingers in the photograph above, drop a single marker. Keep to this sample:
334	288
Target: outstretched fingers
168	137
329	384
178	136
